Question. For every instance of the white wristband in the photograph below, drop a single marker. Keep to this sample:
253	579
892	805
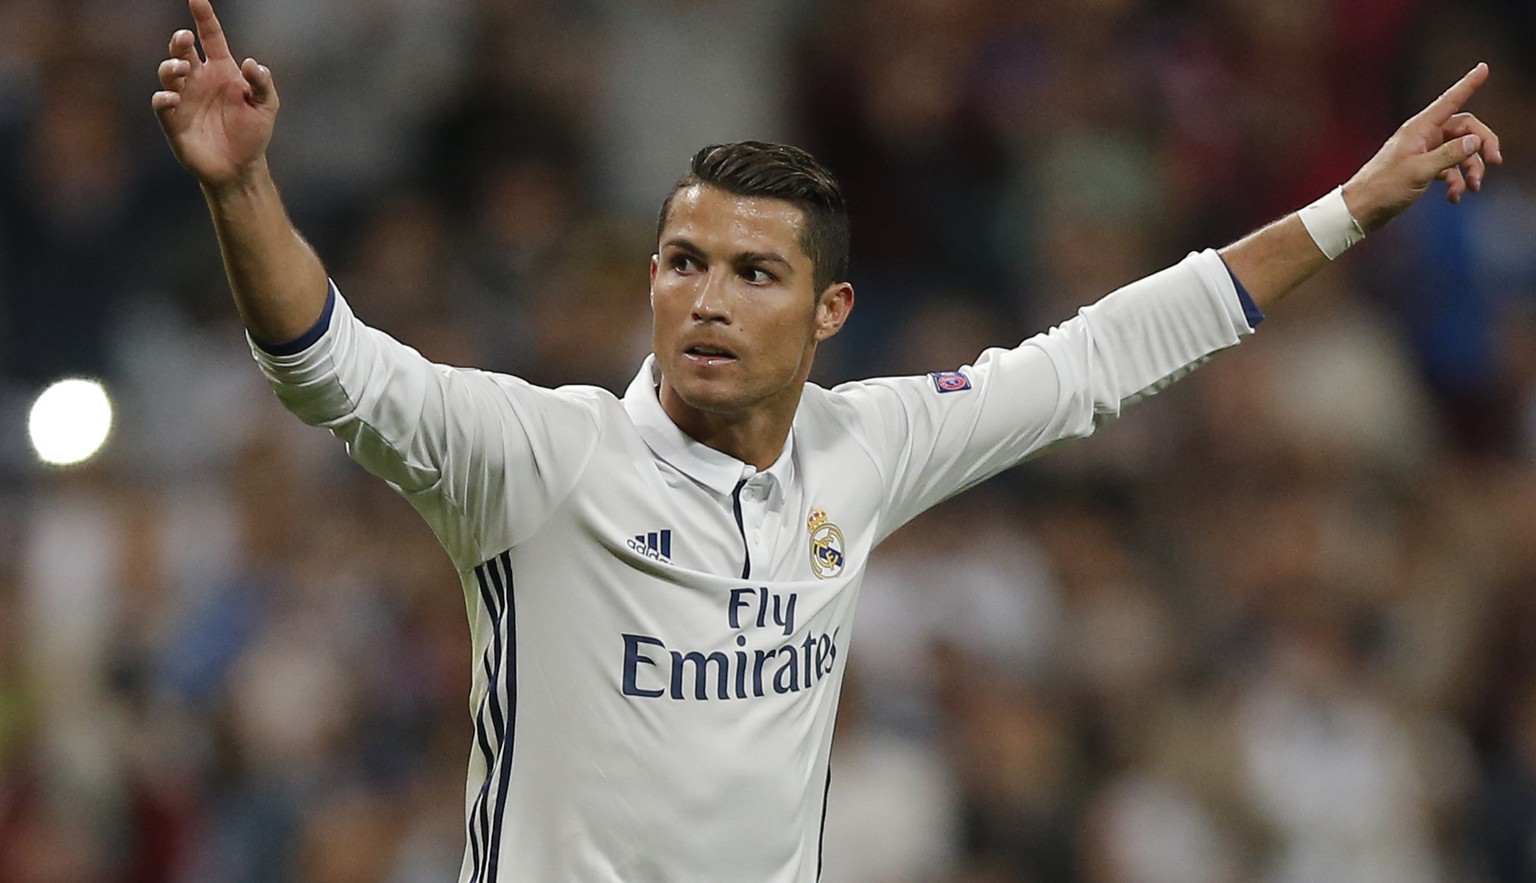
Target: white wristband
1330	224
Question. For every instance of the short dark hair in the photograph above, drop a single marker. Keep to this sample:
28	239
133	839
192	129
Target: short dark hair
779	171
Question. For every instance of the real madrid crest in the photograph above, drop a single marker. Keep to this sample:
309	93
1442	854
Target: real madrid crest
827	548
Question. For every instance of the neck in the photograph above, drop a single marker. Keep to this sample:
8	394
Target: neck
754	435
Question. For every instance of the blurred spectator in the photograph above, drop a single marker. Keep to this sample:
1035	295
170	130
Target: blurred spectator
1332	770
892	806
677	75
358	82
68	206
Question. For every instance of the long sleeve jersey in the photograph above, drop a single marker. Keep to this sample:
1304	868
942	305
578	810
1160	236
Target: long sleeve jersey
660	630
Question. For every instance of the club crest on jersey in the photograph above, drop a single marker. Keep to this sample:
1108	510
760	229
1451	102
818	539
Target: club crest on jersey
950	381
656	544
827	547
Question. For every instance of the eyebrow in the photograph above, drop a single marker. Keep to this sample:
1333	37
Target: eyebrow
766	257
763	257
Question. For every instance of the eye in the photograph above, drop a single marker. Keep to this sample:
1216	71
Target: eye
683	263
758	276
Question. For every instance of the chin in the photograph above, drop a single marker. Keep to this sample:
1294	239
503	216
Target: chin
718	398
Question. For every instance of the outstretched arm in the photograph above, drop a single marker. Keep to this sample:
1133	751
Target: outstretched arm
1439	142
218	117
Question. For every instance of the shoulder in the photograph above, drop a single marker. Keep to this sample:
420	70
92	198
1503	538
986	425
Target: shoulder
490	397
577	396
862	400
849	411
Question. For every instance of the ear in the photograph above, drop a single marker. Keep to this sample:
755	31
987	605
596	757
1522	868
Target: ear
832	309
655	265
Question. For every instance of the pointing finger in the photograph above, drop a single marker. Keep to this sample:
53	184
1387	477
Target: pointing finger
1451	99
210	32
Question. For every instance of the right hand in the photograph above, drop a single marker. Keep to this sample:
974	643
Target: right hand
217	115
1439	142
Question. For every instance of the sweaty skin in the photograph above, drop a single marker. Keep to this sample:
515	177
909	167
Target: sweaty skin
737	320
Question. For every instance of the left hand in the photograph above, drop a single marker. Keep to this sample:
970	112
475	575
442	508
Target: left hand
217	114
1439	141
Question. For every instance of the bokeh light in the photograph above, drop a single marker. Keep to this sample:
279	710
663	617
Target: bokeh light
70	421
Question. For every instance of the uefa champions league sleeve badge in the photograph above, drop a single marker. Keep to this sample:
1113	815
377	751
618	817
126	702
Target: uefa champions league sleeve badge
950	381
827	547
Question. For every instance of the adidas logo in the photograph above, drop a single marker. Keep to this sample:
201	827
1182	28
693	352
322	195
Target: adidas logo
656	544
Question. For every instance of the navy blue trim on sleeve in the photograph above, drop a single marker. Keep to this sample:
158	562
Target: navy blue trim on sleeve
1250	309
316	331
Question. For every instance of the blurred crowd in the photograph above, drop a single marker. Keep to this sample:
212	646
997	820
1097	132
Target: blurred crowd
1276	626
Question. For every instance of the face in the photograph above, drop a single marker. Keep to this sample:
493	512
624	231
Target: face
737	318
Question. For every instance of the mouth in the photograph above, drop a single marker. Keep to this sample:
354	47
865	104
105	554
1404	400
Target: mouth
705	354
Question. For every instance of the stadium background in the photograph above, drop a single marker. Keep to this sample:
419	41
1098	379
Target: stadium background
1278	625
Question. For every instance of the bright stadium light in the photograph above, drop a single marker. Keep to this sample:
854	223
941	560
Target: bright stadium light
70	421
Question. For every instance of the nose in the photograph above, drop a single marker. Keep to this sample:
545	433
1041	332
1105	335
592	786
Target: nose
711	302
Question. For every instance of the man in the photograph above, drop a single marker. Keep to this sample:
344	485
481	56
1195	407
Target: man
661	586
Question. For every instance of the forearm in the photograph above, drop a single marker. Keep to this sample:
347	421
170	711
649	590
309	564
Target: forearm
1272	261
278	282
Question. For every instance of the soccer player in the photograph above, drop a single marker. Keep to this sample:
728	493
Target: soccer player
661	586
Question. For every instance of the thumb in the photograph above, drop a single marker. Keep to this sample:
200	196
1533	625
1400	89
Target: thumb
1450	154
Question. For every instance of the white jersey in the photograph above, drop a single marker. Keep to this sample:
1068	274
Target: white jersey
660	630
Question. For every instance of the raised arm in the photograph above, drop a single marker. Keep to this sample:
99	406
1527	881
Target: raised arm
218	117
1439	142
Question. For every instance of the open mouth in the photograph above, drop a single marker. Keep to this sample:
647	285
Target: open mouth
709	354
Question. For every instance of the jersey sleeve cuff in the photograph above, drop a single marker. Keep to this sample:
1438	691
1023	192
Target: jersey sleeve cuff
1251	310
308	338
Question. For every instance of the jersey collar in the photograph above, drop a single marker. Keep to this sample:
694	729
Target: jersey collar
718	471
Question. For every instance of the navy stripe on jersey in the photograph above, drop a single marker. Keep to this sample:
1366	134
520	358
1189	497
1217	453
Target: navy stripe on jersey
307	339
510	682
821	839
746	567
500	665
1251	310
491	662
